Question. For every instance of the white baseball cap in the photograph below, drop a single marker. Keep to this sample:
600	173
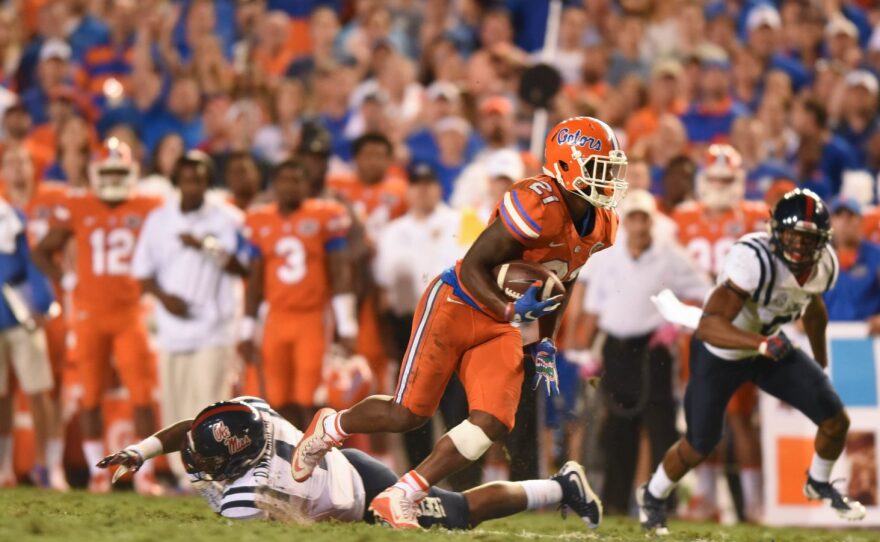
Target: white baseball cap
863	78
505	163
55	48
841	25
763	15
455	124
444	89
638	200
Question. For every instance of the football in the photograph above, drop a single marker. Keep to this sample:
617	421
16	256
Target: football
514	278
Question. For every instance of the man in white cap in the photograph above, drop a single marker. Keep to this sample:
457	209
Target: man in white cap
637	381
841	39
763	27
858	117
52	72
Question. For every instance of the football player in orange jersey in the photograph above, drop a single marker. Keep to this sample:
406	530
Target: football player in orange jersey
707	228
104	223
300	265
463	322
37	202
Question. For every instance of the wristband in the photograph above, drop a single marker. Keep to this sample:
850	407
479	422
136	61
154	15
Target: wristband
248	329
344	310
148	448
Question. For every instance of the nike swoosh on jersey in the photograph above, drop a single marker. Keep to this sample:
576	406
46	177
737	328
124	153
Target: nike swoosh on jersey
555	245
451	300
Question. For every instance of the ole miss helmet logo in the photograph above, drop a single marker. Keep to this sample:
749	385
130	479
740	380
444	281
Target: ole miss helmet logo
565	137
234	444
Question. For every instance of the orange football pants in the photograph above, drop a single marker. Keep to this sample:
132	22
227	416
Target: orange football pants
448	336
121	335
293	350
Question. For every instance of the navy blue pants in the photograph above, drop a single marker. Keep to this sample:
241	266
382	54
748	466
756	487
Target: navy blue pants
444	508
796	379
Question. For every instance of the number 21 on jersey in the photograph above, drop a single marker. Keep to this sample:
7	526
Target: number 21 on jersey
111	251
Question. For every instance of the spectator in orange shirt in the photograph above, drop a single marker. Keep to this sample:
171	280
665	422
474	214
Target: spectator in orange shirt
662	98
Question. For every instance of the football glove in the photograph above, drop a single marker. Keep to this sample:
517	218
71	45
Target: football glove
129	460
543	353
775	347
529	307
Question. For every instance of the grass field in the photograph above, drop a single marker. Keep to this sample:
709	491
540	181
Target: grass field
26	514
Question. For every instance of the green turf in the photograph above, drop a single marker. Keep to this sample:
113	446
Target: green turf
27	514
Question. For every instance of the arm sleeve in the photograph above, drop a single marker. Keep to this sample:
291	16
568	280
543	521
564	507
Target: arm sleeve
744	267
240	502
143	264
526	213
686	279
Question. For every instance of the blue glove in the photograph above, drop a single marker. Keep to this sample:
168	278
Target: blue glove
543	353
529	308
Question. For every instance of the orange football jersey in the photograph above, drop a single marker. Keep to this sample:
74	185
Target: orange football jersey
105	237
294	249
707	239
374	205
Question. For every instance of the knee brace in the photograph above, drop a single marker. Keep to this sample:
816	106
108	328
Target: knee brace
470	441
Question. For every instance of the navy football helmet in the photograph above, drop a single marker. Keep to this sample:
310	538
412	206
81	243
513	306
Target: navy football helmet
800	228
224	441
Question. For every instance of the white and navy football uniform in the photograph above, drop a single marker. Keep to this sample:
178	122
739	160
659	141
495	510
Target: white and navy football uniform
342	484
775	298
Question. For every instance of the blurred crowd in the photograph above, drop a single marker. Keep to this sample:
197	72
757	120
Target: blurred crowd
409	112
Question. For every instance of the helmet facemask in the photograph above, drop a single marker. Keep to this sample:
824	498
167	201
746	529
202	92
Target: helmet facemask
715	193
602	181
112	182
800	246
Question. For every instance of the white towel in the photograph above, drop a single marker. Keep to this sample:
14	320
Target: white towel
10	227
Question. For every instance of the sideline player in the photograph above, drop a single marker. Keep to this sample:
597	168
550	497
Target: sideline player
238	454
299	266
767	280
707	228
463	321
104	222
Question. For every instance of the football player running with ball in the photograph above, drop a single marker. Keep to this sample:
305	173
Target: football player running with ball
767	280
463	321
237	454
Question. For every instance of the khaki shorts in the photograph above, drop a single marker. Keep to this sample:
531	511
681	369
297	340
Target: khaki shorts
30	360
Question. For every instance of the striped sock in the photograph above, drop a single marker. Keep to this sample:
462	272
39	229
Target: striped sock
333	428
414	486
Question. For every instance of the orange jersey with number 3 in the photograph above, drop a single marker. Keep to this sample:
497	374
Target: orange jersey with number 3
105	238
708	239
294	250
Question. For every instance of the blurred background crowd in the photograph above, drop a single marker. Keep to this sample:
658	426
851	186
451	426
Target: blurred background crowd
410	112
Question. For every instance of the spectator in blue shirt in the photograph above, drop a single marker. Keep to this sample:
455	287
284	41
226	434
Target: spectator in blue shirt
25	299
810	120
711	117
858	122
53	72
857	294
181	114
763	26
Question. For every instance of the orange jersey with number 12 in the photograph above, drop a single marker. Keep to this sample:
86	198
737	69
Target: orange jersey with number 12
105	238
294	250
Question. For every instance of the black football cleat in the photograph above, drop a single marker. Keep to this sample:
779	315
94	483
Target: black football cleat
825	491
652	511
577	495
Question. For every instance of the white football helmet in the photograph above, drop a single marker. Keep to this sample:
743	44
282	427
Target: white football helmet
115	174
721	180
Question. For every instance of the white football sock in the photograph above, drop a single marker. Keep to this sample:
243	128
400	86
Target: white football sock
55	453
820	469
707	483
94	452
332	427
6	454
541	493
660	485
414	486
750	479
